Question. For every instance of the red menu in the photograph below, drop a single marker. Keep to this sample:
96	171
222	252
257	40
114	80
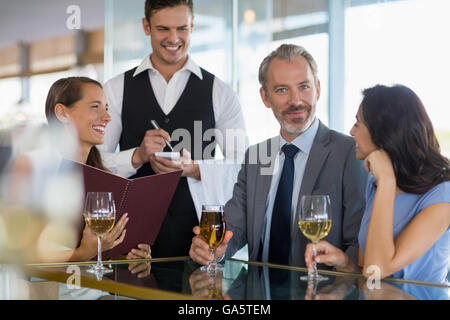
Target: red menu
145	199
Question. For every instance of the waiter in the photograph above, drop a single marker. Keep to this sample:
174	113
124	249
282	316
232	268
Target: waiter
171	89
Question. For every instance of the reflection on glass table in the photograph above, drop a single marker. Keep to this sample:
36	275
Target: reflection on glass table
181	278
14	285
206	285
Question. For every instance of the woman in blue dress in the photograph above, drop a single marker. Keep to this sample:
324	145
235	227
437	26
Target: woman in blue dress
404	231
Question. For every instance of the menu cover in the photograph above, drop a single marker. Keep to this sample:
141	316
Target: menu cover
145	199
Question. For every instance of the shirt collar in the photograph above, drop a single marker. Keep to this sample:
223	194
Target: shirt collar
190	66
304	141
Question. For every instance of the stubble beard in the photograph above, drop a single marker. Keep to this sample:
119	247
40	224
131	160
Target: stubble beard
292	128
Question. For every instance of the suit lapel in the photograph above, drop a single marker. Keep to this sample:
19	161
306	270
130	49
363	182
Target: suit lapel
316	159
263	181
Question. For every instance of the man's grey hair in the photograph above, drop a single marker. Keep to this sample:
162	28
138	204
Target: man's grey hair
288	52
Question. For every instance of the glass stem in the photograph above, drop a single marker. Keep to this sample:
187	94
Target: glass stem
212	266
214	262
314	259
99	252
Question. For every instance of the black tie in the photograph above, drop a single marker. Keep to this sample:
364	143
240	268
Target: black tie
280	230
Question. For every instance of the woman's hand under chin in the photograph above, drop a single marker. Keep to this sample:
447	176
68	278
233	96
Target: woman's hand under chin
379	164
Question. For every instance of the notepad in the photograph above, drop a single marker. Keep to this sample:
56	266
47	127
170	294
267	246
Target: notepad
145	199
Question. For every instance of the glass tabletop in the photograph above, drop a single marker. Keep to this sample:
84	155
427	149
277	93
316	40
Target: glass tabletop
180	278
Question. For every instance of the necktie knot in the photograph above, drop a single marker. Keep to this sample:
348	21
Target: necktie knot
290	150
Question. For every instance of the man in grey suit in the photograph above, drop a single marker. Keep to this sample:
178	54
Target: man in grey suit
306	158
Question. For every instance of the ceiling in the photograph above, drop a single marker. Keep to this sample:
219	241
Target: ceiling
33	20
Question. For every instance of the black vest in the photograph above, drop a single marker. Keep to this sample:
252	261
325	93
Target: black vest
194	105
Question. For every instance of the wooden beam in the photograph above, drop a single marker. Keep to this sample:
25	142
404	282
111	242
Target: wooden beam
10	61
52	55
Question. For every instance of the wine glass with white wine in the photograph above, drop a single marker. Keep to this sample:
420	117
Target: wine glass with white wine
99	215
315	223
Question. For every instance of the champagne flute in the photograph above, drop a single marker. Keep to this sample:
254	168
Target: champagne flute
99	215
212	231
315	224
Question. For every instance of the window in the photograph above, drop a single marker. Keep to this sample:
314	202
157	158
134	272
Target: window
10	93
403	42
264	26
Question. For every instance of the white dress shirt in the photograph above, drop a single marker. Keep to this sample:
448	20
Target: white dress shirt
304	142
217	177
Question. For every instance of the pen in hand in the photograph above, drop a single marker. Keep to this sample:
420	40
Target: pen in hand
155	125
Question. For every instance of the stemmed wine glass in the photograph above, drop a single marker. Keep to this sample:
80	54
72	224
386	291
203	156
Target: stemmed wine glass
315	224
99	215
212	231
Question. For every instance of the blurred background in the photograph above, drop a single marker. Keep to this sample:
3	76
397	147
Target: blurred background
357	43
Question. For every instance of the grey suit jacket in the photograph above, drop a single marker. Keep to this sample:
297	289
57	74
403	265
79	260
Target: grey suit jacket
331	168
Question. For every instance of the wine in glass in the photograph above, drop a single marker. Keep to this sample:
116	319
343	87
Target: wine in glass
212	231
315	224
99	215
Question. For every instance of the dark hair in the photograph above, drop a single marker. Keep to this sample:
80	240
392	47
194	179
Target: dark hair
398	124
68	91
154	5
